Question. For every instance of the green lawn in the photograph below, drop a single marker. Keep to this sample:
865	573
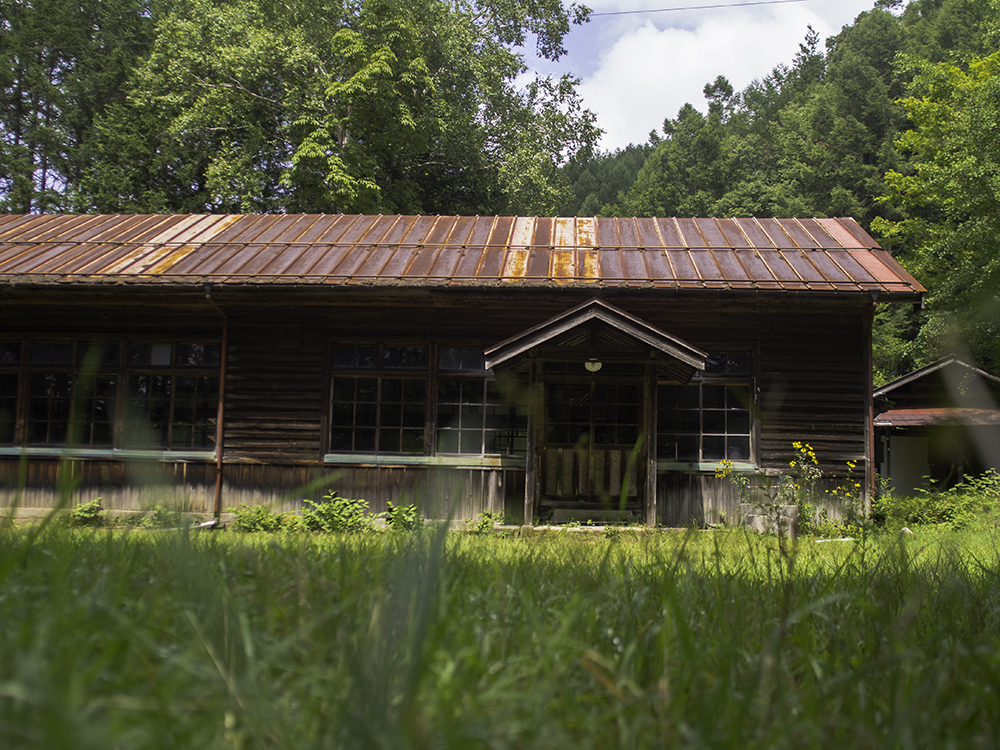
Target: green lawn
113	639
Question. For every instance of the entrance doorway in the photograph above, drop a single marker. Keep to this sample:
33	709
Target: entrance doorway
592	446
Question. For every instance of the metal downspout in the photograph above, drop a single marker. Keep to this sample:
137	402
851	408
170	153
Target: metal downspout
219	432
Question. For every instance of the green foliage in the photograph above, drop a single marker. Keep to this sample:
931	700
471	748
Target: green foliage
597	181
332	514
335	514
661	639
311	105
156	517
62	63
811	139
402	517
90	514
484	522
343	107
800	487
258	518
948	233
973	503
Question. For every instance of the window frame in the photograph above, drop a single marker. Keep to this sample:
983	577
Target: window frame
433	375
117	370
175	371
729	379
514	422
380	372
11	368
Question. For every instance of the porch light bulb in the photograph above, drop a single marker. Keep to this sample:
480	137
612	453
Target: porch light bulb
593	365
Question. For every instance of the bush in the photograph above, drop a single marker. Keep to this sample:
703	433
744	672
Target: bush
402	517
337	514
974	501
484	522
155	517
87	515
258	518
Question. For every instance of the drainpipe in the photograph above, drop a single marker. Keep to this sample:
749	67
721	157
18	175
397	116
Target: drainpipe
217	513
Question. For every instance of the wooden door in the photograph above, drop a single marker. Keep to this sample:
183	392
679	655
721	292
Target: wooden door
591	448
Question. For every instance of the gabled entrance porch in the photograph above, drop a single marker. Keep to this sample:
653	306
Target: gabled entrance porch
591	375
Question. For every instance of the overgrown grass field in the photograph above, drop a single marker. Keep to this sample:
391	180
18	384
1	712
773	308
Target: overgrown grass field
114	639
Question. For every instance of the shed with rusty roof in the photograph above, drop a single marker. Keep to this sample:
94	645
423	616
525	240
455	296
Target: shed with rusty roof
940	424
506	364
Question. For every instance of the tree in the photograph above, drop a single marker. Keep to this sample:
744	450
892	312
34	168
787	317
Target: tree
344	105
949	236
597	181
61	64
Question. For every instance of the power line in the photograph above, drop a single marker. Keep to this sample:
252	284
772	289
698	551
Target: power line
696	7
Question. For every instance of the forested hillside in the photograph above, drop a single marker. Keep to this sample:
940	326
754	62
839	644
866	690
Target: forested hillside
894	121
298	105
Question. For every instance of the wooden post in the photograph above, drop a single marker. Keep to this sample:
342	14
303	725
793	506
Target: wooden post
649	429
531	459
869	321
220	414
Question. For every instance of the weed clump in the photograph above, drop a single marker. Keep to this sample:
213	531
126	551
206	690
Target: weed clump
87	515
973	503
331	515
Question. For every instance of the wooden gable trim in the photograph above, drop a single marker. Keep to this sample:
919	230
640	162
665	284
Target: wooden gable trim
931	369
594	309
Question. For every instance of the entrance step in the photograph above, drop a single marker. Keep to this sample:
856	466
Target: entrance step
569	515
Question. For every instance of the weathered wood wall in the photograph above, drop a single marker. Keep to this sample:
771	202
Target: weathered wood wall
808	358
706	499
120	485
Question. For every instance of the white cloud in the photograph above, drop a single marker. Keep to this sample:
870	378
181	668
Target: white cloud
638	70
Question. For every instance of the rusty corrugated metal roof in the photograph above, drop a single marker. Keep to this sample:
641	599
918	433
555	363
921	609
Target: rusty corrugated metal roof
825	255
901	418
951	360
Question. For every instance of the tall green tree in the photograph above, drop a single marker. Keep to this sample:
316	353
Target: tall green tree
597	180
837	141
949	236
685	174
61	64
344	105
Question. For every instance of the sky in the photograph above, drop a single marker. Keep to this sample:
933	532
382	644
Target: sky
638	69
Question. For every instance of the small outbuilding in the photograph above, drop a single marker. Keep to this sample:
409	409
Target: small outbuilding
515	365
938	425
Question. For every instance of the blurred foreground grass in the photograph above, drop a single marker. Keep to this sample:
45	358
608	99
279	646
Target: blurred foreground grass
112	639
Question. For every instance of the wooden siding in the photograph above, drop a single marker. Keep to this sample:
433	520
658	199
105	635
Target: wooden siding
567	472
705	499
807	356
133	486
120	485
275	391
813	389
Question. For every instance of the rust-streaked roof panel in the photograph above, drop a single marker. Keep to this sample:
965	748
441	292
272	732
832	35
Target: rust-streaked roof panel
902	418
800	255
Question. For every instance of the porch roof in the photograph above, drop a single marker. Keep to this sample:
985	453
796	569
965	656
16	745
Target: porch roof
951	360
902	418
833	256
568	335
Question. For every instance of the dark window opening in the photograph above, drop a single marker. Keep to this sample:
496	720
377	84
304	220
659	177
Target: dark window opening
73	394
595	412
377	407
710	419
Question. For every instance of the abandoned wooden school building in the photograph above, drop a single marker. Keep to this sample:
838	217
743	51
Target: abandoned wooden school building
468	364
